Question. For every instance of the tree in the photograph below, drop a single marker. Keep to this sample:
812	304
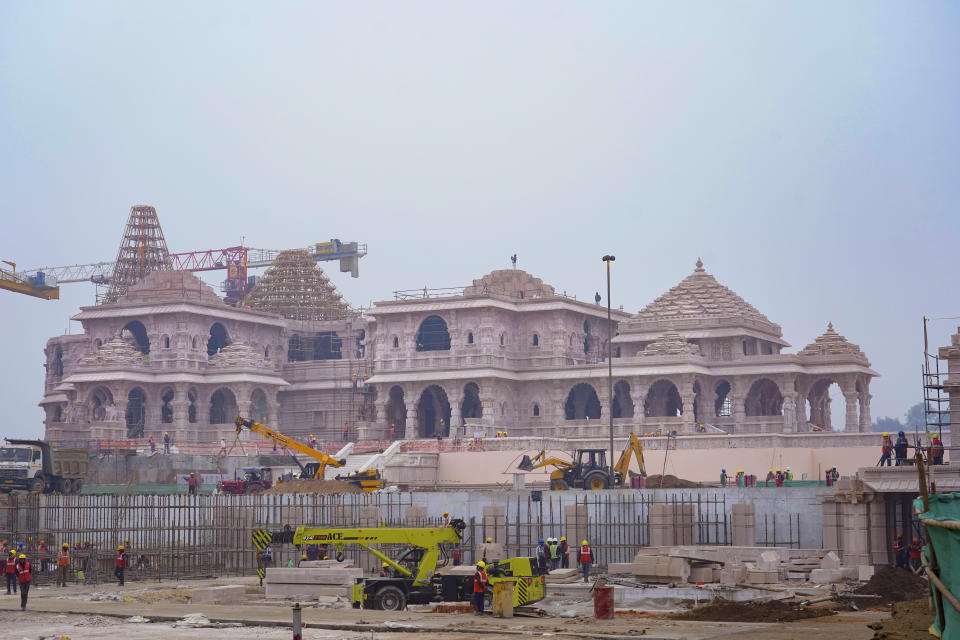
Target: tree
891	425
914	418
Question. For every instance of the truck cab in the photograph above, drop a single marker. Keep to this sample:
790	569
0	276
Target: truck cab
34	465
255	480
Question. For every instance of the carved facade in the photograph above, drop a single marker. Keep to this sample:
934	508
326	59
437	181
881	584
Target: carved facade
507	352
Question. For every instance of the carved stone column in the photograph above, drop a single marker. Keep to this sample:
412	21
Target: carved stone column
866	420
738	398
789	413
687	396
410	429
851	421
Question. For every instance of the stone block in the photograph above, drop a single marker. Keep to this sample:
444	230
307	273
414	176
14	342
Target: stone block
304	591
490	552
848	573
761	576
415	516
830	561
865	572
620	568
733	574
769	561
230	594
825	576
701	574
322	576
325	564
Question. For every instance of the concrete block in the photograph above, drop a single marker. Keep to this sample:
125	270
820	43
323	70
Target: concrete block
701	574
415	516
865	572
230	594
328	576
825	576
830	561
490	551
325	564
769	561
307	591
733	574
848	573
761	576
620	568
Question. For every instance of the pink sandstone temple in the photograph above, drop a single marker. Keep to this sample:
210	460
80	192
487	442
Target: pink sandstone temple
506	353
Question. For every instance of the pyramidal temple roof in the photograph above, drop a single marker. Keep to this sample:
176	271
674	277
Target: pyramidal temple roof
700	295
296	288
831	343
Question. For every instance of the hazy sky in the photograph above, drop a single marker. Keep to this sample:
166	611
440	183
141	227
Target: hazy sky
807	151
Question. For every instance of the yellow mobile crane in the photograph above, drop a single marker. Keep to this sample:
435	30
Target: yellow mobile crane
589	468
414	577
368	480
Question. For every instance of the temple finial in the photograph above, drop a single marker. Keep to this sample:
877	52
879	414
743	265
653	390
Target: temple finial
830	326
699	264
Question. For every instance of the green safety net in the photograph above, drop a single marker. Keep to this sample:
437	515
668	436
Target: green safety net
946	542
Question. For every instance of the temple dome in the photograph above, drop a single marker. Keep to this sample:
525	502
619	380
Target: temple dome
831	343
698	295
115	352
238	355
511	283
670	344
296	288
168	286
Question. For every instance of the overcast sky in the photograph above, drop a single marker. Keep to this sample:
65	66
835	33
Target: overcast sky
808	152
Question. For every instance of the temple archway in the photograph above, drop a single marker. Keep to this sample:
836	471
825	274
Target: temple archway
136	412
764	399
471	408
218	338
138	332
100	401
722	405
396	412
433	413
582	403
433	335
223	406
663	401
622	406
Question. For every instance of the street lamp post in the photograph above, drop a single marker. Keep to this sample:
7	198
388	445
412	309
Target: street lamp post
608	259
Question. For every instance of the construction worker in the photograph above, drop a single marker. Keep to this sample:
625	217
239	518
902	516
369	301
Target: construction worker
223	446
303	558
312	442
385	571
121	564
153	445
935	453
267	557
788	476
479	586
554	554
63	565
11	570
564	552
446	518
585	559
900	448
886	449
23	579
3	547
723	477
393	431
192	484
900	553
542	554
166	442
770	477
778	478
915	555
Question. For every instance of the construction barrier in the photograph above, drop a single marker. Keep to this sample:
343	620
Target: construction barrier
942	522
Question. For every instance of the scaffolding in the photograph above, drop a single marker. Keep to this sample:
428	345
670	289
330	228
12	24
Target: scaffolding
143	250
296	288
936	401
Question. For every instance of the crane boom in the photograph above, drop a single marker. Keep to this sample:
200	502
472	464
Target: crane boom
323	459
38	285
634	448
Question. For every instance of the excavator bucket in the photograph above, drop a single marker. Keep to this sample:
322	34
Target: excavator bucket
526	464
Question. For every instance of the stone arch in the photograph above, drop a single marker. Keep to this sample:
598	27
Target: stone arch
219	338
536	340
469	337
663	400
223	406
396	411
764	399
139	334
820	400
166	406
259	407
433	334
101	400
433	413
470	406
722	404
622	406
582	403
58	412
535	410
166	341
136	412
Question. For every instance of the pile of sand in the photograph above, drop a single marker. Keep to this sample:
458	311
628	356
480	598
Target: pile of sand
670	482
313	486
895	585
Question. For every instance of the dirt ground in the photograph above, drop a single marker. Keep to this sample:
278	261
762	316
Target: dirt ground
909	621
671	482
84	613
895	585
772	611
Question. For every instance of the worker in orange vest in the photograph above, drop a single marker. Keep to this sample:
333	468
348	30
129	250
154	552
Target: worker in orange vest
63	564
479	587
23	578
121	564
585	559
11	570
915	555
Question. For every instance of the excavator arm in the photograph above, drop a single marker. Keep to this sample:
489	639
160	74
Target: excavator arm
323	459
541	460
634	448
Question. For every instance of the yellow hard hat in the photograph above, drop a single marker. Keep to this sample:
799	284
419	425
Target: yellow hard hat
778	470
303	557
489	539
446	513
385	565
192	473
120	548
481	564
126	539
584	542
562	538
12	552
23	557
166	433
885	434
65	545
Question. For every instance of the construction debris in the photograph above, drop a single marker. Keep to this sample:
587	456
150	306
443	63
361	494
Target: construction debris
895	585
771	611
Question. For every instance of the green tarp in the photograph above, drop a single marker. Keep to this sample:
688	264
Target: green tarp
946	542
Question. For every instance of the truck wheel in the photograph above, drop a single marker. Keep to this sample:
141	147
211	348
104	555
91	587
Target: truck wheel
559	484
391	599
36	485
66	486
253	489
595	481
77	486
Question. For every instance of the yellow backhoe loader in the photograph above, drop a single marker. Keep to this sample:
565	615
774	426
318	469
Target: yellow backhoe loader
589	469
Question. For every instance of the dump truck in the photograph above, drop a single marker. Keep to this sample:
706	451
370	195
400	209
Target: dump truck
415	577
36	466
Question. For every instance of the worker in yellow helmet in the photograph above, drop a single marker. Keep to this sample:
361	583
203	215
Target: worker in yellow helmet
585	559
63	565
121	564
24	579
479	586
886	449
